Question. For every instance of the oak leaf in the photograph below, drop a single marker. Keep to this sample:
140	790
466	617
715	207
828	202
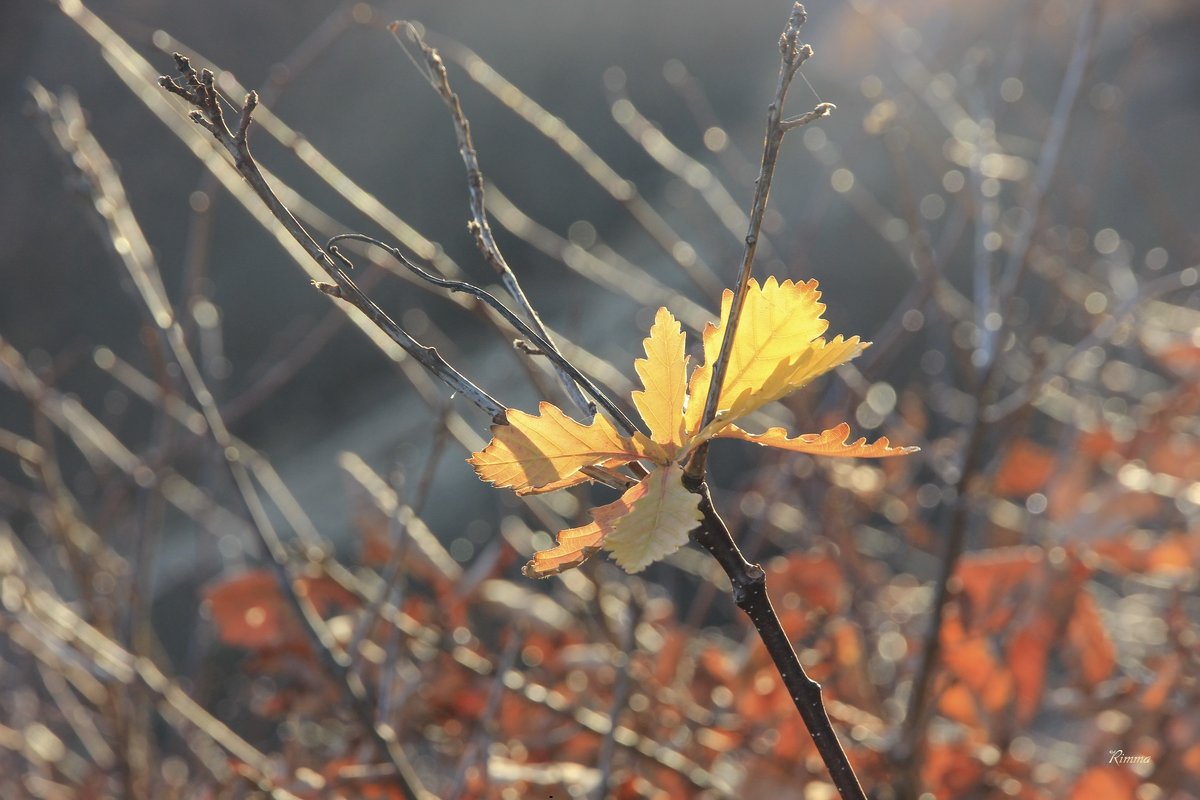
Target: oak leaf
647	523
832	442
664	375
546	452
777	348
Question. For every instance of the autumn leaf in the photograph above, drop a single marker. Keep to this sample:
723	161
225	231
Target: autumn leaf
833	442
777	349
649	522
664	375
532	453
249	610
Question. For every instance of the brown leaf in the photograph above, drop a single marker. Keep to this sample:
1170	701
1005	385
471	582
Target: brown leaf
1026	469
1028	655
950	770
1106	782
1087	634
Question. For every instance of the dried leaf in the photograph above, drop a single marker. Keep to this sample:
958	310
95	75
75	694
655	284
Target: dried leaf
1182	358
532	452
959	704
970	659
647	523
1086	632
1105	782
248	611
992	580
832	442
664	375
1026	469
817	580
1028	656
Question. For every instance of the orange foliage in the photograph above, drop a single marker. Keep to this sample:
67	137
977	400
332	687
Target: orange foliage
1106	782
1026	469
250	611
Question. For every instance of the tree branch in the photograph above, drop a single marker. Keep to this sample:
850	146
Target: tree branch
435	73
750	594
200	93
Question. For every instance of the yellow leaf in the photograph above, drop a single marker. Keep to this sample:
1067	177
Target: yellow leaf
833	442
574	479
575	545
664	375
649	522
776	348
658	521
532	453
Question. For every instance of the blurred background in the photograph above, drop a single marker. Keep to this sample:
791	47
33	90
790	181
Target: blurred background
1004	201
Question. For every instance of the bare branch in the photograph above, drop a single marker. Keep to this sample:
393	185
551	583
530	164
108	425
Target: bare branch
208	113
544	345
439	79
794	56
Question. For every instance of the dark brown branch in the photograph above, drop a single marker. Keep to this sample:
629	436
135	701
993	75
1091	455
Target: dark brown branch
749	583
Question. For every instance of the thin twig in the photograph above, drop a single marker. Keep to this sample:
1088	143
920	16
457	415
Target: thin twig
475	754
200	92
1085	39
621	691
139	262
546	347
47	618
749	580
572	145
439	79
674	160
794	56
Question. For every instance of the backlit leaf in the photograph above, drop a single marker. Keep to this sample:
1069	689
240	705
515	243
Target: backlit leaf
647	523
664	375
658	522
832	442
575	545
778	326
533	452
777	349
820	357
